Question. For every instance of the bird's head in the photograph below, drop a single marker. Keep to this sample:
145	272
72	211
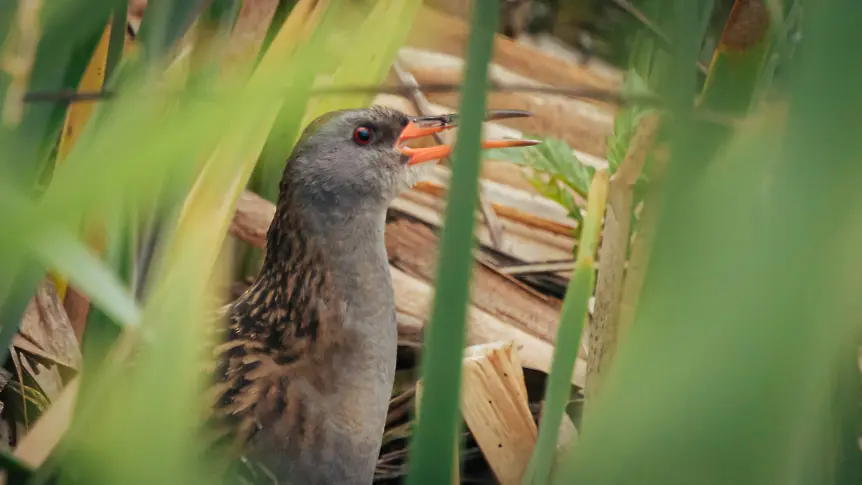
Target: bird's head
356	160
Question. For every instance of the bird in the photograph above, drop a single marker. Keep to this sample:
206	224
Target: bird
305	366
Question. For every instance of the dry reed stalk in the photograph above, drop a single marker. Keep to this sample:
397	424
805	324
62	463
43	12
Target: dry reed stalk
604	327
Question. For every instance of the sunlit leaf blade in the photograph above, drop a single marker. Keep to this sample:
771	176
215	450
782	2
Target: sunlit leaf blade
102	329
85	271
433	443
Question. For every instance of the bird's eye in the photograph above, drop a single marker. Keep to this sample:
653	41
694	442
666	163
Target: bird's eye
363	135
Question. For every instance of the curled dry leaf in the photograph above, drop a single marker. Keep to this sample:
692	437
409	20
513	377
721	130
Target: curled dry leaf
47	326
46	347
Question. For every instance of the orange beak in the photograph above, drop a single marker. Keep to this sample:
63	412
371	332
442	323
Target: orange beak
430	125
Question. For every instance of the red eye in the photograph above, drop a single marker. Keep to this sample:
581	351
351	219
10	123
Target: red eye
363	135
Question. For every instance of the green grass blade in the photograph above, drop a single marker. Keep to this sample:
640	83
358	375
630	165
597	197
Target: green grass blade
749	314
568	341
70	31
433	442
84	270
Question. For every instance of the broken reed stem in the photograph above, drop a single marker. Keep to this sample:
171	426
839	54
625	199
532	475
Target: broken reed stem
574	313
495	407
615	239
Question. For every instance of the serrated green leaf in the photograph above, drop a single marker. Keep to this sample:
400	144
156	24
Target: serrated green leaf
553	157
553	190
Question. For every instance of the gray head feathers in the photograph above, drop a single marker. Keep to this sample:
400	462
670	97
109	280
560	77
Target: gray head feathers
337	168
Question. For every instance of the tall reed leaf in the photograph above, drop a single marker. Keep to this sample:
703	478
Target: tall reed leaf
736	364
433	442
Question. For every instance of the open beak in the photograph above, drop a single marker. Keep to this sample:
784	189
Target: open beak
420	126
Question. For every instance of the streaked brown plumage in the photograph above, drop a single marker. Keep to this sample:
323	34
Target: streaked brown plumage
287	325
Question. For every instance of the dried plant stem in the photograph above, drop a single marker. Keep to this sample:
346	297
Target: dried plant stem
495	408
612	254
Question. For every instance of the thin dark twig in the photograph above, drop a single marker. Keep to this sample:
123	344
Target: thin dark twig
588	93
585	93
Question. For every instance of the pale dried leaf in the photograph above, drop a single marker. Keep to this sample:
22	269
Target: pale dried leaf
47	326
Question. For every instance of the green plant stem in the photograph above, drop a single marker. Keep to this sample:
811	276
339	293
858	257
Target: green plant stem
574	313
433	443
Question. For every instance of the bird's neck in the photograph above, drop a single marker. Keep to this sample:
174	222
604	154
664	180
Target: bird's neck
350	247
